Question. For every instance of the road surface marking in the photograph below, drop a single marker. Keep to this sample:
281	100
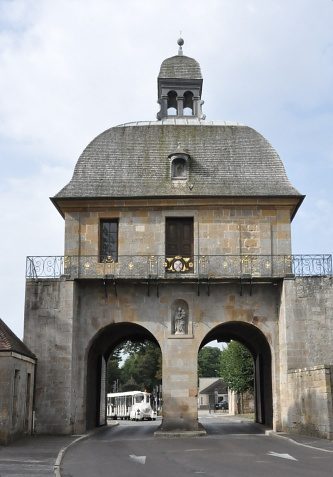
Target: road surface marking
283	456
195	450
139	459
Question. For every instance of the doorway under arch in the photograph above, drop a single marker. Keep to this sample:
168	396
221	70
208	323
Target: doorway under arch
256	342
101	346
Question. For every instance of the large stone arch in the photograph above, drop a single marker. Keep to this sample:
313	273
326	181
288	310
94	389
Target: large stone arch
257	344
98	352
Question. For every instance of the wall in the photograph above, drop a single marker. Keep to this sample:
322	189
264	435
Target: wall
306	343
48	332
64	318
310	391
220	230
240	404
16	395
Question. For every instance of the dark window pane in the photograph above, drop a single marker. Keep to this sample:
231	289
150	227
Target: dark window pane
179	169
109	240
179	236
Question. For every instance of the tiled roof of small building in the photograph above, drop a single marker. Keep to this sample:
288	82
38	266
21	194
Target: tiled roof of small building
10	342
218	385
180	67
132	160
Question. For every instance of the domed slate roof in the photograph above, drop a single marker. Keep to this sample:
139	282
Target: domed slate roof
180	67
132	160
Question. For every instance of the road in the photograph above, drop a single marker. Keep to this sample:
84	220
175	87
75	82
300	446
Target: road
231	448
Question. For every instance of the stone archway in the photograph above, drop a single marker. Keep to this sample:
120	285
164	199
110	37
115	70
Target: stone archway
256	342
100	349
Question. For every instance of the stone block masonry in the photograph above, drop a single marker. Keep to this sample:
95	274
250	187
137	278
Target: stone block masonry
310	395
306	344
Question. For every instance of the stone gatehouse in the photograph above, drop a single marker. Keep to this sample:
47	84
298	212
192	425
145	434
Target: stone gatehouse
178	231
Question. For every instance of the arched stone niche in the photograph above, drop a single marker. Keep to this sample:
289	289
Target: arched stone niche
179	318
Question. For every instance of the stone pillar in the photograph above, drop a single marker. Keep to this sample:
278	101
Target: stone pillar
180	384
180	105
163	112
197	107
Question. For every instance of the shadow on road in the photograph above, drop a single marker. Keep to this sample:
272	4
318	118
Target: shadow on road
225	424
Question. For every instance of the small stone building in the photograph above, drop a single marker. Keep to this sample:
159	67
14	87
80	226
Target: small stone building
179	231
210	392
17	374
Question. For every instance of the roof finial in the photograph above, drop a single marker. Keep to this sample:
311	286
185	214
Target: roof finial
180	42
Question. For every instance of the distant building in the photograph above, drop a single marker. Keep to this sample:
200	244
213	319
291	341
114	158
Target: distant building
211	391
17	374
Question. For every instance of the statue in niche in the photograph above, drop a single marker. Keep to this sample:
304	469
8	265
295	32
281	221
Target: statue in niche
180	321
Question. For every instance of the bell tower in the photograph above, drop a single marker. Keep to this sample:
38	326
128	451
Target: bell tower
180	87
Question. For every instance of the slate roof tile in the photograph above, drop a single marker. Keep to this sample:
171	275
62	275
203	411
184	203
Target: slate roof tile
180	67
131	160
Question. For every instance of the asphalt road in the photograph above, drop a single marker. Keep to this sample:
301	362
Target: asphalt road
231	449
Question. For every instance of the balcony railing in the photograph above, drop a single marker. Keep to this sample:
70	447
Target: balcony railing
201	267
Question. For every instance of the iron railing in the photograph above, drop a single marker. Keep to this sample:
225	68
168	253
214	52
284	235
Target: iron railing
202	266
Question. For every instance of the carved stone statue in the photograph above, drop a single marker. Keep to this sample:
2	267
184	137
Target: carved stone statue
180	321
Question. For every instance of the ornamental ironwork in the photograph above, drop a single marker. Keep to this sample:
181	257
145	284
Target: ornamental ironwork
197	267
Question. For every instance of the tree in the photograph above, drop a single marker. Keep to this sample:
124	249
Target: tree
144	366
142	369
113	372
236	368
209	362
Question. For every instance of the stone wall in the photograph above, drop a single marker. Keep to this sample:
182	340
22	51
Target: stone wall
17	374
306	347
307	314
48	332
240	403
217	230
64	319
310	392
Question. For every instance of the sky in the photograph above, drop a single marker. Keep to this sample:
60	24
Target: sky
69	69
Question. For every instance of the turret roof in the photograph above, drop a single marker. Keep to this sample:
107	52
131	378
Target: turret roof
180	67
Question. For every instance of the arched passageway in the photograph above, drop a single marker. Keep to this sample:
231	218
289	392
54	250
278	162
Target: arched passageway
256	342
100	349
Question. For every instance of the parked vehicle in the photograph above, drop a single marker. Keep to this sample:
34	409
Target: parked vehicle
223	405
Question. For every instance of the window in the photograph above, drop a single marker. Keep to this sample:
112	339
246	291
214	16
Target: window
172	103
188	103
15	397
179	165
27	402
108	240
179	244
179	168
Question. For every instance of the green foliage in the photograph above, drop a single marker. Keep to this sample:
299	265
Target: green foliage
237	369
113	372
131	347
209	362
141	370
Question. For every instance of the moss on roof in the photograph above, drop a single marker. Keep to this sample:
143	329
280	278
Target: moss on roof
132	160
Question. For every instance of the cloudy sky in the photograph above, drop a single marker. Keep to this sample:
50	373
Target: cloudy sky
70	69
